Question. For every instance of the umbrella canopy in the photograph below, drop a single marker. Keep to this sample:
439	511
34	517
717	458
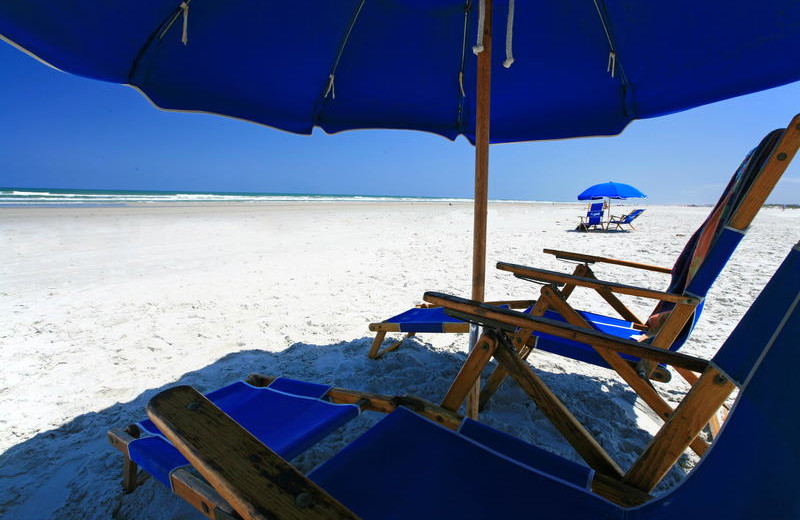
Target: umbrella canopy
580	68
611	190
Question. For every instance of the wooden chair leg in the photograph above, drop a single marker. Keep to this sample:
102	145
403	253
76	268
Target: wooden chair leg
129	472
469	373
547	402
375	352
521	342
376	344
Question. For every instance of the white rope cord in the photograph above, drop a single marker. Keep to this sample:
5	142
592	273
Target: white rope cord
509	35
612	63
464	38
478	47
330	90
183	9
185	34
612	53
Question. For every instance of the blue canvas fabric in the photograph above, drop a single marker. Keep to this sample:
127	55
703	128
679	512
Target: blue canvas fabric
626	219
611	190
594	218
711	246
427	471
528	454
423	319
286	422
580	69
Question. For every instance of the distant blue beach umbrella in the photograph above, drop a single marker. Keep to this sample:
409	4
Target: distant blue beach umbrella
611	190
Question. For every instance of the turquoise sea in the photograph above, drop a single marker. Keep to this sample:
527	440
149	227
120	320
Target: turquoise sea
64	197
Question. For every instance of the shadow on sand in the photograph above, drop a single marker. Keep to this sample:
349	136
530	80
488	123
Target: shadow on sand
71	472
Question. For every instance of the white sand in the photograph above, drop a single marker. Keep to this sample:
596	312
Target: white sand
100	308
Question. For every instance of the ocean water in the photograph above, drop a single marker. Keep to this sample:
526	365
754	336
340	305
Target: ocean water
58	197
10	197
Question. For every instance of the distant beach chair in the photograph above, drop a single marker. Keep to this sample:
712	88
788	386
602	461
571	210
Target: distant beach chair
693	273
593	218
621	220
432	464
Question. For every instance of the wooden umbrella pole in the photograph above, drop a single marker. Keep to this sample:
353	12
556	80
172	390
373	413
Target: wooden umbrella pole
483	96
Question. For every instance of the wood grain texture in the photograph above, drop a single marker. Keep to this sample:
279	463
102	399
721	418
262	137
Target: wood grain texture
558	414
581	257
691	416
543	275
770	174
257	483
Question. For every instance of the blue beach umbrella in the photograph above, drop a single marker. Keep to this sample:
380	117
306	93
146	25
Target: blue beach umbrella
611	190
566	68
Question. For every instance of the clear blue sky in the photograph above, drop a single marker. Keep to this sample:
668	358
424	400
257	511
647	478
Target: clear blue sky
64	131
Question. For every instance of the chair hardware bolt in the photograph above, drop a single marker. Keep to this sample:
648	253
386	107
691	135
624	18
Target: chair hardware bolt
782	156
194	405
303	500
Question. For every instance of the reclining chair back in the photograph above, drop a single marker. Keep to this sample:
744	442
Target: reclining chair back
594	217
710	247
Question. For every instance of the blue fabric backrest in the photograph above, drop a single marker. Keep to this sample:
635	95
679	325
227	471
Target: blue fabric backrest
711	246
632	215
595	214
751	471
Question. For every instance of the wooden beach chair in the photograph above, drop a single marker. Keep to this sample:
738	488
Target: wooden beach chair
593	218
289	416
680	305
774	318
434	465
624	219
701	260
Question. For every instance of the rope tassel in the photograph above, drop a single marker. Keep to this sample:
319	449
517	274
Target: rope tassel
509	35
612	62
330	90
478	47
185	34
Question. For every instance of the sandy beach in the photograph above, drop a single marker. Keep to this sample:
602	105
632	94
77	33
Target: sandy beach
102	307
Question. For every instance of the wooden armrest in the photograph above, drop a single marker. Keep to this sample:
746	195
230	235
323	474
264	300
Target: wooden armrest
590	259
513	304
543	275
256	481
480	312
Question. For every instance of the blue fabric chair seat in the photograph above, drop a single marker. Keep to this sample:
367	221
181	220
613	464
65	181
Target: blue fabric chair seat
288	416
420	319
453	476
